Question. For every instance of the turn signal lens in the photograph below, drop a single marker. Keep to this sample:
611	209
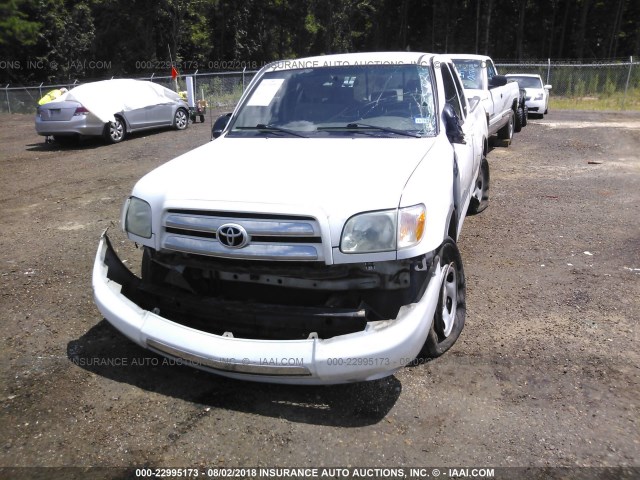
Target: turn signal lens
411	225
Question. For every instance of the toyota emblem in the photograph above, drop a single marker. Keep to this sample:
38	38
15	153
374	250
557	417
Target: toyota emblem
232	235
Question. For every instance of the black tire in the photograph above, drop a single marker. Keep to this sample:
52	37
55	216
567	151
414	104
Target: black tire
525	116
506	132
518	123
180	119
115	132
480	193
448	321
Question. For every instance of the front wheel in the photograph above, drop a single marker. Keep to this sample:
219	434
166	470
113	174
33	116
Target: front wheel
480	193
180	119
448	320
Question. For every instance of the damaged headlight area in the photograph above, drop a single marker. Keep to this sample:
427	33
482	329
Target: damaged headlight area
137	217
370	232
384	231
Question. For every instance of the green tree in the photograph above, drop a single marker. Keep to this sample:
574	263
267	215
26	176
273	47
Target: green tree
18	36
16	29
46	40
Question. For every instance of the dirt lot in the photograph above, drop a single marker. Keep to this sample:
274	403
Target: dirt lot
546	371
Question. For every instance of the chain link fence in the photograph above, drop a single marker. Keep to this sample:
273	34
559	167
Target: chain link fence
577	80
218	89
572	80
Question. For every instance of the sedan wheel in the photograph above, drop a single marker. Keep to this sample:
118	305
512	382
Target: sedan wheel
116	130
180	120
448	320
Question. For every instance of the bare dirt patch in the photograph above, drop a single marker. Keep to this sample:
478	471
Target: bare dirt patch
546	371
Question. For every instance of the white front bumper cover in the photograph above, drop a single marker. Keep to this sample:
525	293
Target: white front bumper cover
379	350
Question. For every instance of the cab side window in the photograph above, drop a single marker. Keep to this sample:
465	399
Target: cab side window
451	92
491	70
460	88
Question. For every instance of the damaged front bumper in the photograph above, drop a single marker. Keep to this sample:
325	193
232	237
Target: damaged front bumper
382	348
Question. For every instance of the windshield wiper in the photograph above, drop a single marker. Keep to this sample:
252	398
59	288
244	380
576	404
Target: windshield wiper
272	128
364	126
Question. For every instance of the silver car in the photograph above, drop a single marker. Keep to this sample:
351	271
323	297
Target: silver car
111	109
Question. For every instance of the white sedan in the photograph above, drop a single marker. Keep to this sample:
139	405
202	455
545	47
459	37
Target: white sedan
537	96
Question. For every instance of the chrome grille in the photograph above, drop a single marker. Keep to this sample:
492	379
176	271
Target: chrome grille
271	237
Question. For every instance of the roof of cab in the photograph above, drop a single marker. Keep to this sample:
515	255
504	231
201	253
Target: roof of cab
344	59
467	56
532	75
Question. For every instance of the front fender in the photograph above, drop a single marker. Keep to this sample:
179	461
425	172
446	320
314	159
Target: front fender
432	183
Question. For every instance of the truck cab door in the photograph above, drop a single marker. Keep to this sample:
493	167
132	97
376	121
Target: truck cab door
500	100
463	147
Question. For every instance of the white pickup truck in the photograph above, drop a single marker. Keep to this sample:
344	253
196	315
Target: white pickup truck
499	97
314	240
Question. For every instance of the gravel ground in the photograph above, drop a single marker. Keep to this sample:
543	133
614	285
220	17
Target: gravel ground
545	373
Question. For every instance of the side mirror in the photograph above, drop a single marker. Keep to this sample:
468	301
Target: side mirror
497	81
547	87
219	125
473	102
452	125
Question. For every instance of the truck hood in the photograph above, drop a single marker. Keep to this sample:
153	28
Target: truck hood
326	175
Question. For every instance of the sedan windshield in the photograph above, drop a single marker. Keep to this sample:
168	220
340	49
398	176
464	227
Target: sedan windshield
362	100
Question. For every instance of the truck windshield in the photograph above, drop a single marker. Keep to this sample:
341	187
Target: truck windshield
364	100
470	72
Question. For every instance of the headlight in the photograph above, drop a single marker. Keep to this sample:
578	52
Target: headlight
411	225
370	232
138	218
383	231
539	96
